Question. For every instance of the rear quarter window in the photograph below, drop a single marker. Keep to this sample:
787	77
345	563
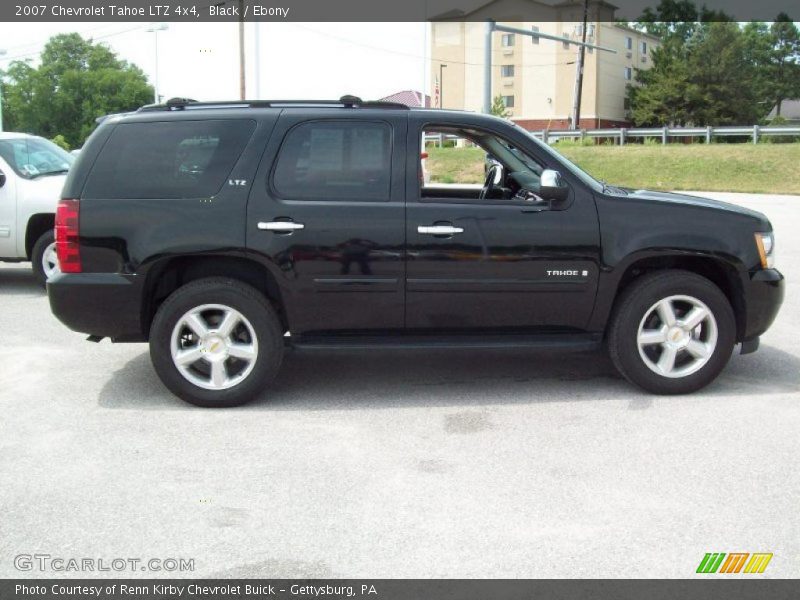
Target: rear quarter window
168	159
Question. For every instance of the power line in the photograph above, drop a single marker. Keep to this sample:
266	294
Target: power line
412	55
82	34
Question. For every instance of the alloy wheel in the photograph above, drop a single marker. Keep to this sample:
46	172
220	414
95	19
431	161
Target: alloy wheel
214	346
50	261
677	336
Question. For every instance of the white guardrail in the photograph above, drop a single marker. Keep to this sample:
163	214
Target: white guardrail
621	134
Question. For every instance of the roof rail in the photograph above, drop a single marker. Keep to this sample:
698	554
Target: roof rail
344	101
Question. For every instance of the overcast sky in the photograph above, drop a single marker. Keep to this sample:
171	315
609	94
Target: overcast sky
298	60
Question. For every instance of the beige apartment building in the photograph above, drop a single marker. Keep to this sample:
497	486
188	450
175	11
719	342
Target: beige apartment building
536	76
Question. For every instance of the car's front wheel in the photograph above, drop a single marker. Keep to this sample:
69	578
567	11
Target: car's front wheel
216	342
672	332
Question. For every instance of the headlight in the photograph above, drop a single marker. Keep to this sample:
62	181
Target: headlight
765	242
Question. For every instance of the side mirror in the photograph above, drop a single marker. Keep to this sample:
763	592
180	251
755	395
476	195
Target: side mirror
552	187
2	179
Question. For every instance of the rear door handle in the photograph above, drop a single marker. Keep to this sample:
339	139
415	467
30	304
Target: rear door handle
280	226
439	229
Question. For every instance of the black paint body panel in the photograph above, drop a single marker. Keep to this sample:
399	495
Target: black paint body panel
362	267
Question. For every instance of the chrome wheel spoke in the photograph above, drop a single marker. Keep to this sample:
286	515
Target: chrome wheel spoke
197	324
666	313
697	349
242	351
228	323
218	374
666	362
188	356
648	337
693	318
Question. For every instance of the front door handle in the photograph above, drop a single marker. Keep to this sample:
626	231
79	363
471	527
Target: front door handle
280	226
439	229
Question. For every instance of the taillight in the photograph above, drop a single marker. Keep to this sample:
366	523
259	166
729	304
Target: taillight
68	249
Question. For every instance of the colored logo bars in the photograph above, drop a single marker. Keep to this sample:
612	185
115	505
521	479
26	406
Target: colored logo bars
714	562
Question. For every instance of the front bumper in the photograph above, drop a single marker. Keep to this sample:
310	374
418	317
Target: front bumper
763	294
99	304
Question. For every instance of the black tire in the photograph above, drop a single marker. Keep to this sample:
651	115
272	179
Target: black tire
632	307
47	238
239	296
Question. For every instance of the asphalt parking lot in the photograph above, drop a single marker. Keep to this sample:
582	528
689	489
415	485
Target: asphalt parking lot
398	464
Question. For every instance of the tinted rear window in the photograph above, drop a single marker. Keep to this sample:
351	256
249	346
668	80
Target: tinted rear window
175	159
335	160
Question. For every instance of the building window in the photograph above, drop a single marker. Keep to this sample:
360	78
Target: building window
507	40
535	38
508	101
628	73
643	47
507	71
628	43
565	45
590	50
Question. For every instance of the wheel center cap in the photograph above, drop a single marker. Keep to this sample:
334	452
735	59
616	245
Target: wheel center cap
677	336
214	345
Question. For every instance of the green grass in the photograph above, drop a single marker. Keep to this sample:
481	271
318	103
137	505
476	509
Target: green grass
762	168
455	165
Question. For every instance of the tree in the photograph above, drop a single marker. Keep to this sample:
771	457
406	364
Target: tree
784	68
76	82
61	142
722	82
499	107
710	71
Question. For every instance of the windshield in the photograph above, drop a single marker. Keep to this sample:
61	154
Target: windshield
584	176
33	157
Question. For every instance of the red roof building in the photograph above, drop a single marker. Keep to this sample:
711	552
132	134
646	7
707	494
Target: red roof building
409	98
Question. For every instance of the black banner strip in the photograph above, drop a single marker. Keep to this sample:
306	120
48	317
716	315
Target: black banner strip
736	588
371	10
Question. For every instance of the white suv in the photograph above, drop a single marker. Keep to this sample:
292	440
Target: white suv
32	173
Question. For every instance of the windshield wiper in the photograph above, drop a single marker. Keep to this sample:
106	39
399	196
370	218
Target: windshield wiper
613	189
56	172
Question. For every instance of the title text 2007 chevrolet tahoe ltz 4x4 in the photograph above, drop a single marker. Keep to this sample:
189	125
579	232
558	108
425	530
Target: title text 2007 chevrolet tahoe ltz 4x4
213	230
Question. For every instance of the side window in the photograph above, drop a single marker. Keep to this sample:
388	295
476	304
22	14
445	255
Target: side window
452	160
456	163
335	160
172	159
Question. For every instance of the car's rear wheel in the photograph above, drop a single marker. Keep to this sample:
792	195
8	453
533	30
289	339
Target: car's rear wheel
216	342
43	257
672	332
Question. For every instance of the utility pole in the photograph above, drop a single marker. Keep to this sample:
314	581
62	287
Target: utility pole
576	106
2	53
154	29
257	62
242	86
488	30
442	66
491	27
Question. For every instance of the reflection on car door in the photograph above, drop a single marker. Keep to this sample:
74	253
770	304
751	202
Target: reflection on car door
329	213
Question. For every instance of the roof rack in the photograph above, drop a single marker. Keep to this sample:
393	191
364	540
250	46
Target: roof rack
344	101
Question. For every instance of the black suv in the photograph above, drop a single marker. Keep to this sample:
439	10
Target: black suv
223	233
